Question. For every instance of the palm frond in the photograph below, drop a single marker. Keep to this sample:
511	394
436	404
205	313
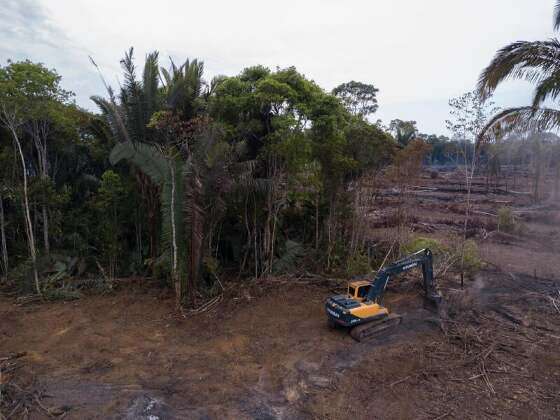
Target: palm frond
166	77
114	118
548	88
521	119
151	84
148	159
531	61
184	87
100	128
132	98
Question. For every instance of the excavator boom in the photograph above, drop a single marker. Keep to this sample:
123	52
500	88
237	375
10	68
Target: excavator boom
423	259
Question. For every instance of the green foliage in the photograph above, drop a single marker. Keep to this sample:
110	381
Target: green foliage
359	98
472	262
166	172
421	242
244	172
287	261
533	61
368	145
110	192
358	264
29	86
403	131
506	221
108	203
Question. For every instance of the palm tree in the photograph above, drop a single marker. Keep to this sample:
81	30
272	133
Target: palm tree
124	120
160	126
537	62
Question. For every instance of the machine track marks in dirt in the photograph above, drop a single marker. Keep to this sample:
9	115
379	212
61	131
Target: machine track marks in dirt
369	330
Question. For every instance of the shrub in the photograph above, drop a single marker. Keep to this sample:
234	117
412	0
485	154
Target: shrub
471	258
358	264
506	221
421	242
288	260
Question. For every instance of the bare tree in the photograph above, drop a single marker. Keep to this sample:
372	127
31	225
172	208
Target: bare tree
469	115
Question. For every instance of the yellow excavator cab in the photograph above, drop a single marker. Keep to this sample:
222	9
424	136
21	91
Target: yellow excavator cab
359	289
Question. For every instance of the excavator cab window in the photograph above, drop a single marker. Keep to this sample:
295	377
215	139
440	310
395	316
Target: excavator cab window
363	291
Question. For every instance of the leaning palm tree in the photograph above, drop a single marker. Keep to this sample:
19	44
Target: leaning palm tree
537	62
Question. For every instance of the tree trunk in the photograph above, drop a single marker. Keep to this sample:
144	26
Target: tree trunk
46	229
28	223
40	132
469	175
557	181
150	195
196	246
536	195
174	268
3	238
317	222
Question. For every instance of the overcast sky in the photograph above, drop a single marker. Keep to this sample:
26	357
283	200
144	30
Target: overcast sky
417	53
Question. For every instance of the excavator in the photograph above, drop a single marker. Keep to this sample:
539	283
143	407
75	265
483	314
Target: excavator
360	309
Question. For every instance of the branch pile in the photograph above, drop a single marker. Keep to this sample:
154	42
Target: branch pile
19	401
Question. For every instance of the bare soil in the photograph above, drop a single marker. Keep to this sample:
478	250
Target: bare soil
265	352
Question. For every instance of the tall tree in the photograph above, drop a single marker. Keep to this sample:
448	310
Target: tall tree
46	106
359	98
13	107
469	114
126	116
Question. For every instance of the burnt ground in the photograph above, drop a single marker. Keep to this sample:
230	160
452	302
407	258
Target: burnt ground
265	352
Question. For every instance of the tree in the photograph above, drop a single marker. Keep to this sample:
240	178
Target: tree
124	119
469	115
405	169
536	62
403	131
45	104
5	259
107	201
16	89
165	134
358	98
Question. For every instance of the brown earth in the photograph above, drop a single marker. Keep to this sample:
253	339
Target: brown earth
267	353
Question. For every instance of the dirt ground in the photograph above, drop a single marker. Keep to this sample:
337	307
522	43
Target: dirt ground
266	352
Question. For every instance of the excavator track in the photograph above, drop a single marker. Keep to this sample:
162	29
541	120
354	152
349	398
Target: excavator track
371	329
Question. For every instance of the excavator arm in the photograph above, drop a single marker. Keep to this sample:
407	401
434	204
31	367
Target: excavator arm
423	259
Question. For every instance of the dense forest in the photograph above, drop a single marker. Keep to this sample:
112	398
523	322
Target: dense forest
178	179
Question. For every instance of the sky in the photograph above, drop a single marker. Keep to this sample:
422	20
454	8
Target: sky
417	53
